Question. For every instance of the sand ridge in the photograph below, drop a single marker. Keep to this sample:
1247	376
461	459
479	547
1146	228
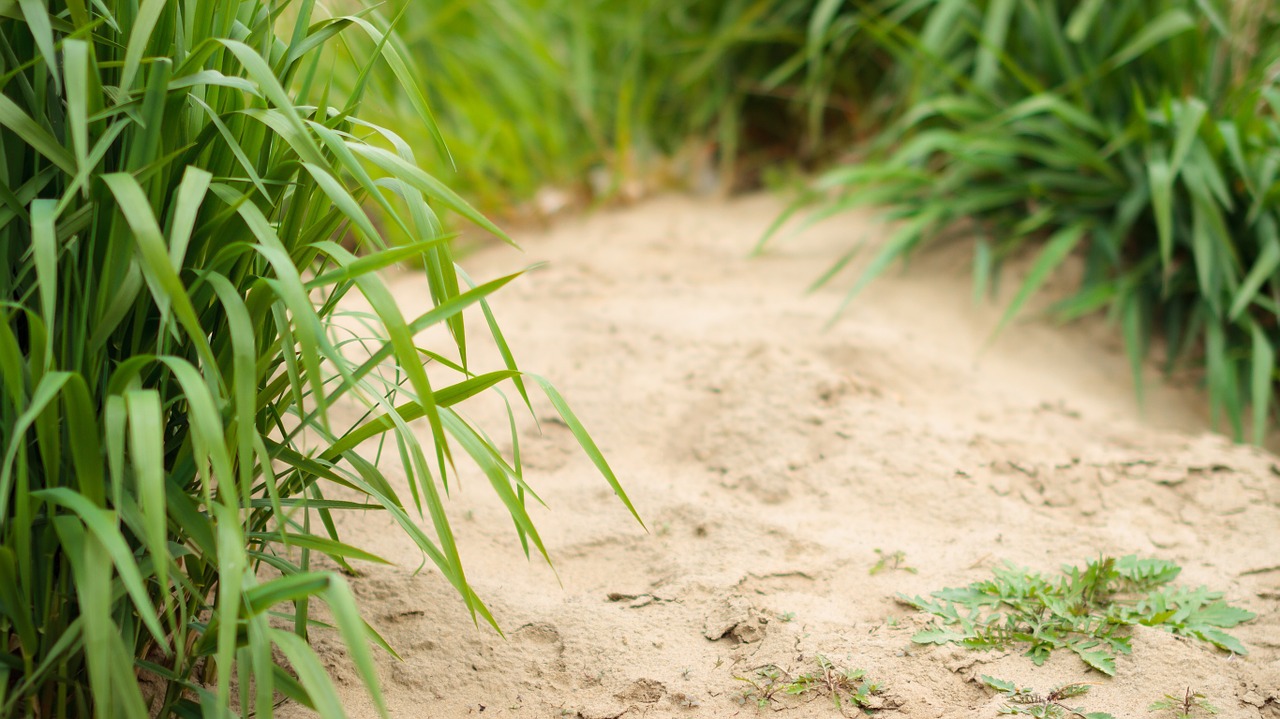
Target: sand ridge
771	458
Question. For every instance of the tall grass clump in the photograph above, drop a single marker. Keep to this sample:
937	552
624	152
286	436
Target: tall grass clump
176	180
597	94
1142	136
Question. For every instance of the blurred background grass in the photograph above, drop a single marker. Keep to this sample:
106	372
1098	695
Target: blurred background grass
1139	136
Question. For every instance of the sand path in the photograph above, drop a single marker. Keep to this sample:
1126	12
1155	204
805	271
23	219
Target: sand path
771	458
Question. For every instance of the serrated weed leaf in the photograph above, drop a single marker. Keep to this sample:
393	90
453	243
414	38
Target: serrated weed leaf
1084	609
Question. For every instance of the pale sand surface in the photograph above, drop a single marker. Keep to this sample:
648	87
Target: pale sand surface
770	458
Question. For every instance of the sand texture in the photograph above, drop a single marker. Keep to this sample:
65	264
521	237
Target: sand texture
770	457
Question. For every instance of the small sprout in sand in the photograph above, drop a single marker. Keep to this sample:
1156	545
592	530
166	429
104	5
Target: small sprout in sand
1025	702
890	560
786	617
1184	707
846	687
1086	610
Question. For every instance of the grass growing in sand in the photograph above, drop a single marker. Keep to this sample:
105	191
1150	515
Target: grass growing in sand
1085	610
177	180
768	685
1026	702
1187	706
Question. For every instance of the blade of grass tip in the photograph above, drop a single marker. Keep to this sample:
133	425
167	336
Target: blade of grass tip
836	267
1082	19
12	117
1262	381
584	440
139	37
1270	167
44	249
995	28
431	317
1190	117
45	393
776	225
343	605
416	177
504	350
320	544
1170	23
75	66
898	246
36	15
311	674
165	285
819	24
1056	249
394	53
182	221
1222	383
1204	220
1264	268
1160	177
983	264
1135	340
449	567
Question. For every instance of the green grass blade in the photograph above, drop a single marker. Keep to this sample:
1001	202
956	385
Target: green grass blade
1056	249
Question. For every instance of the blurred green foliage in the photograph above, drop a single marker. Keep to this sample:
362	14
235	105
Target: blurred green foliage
592	94
1141	136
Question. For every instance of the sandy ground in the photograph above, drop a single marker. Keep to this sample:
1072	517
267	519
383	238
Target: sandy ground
771	458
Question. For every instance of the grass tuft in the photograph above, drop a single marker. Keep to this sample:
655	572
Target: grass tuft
1139	137
178	182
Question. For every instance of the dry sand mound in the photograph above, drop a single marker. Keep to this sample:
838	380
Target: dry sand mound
771	458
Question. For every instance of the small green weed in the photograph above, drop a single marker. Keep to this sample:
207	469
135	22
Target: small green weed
1025	702
846	687
891	560
1184	707
1085	610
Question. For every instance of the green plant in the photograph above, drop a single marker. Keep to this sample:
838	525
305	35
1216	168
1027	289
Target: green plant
177	177
611	90
893	560
1140	137
1185	706
1023	701
845	686
1085	610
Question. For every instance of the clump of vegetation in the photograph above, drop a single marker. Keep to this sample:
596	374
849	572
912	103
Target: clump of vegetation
895	561
540	92
1087	611
1140	137
845	687
1185	706
1026	702
178	179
